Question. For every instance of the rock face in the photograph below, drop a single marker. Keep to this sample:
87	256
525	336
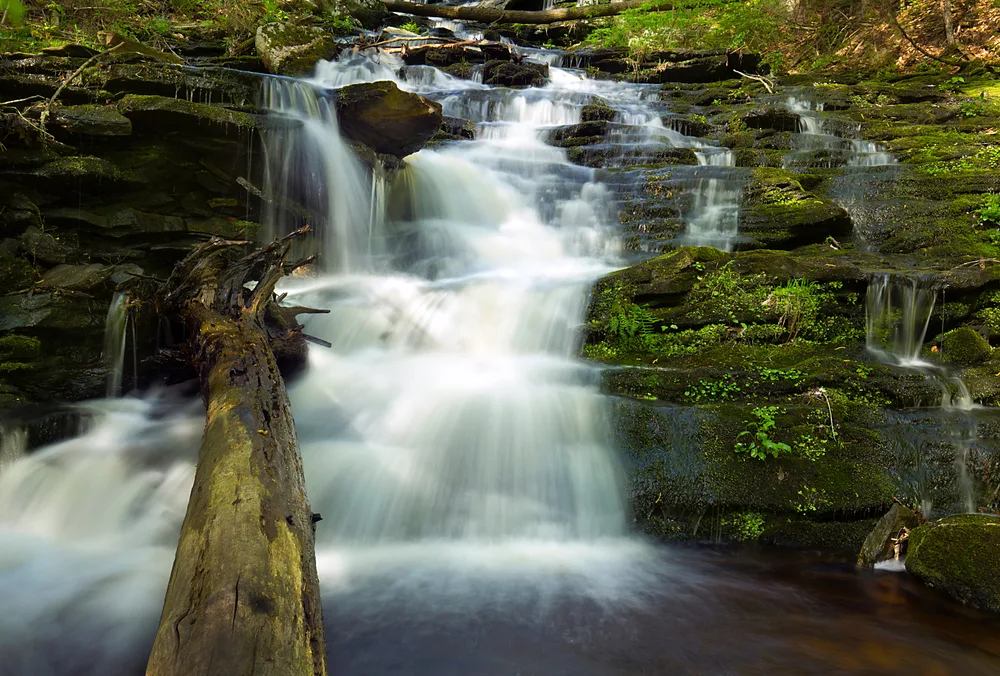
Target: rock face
289	49
369	13
384	117
959	555
879	545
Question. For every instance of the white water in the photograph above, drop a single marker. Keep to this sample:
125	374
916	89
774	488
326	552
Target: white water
715	216
815	135
455	448
115	338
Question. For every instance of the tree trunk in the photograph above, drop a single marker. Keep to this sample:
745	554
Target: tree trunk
492	15
243	596
949	26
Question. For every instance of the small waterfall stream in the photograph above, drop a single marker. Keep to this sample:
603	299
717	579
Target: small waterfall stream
899	313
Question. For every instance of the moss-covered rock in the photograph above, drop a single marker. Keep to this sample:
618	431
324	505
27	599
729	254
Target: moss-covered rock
162	114
500	73
292	49
89	120
368	13
966	346
596	111
779	214
959	555
15	273
387	119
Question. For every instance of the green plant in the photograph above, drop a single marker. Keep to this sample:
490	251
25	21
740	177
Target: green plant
954	85
748	525
13	10
812	500
712	390
989	211
758	441
413	27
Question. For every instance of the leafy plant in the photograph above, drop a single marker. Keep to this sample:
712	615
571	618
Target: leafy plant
989	211
758	442
413	27
748	525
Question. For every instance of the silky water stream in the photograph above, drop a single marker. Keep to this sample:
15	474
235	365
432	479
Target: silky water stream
475	520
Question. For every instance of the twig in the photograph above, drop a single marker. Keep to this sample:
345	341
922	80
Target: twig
758	78
95	57
24	100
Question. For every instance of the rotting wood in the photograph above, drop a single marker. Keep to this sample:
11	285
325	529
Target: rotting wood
243	596
493	15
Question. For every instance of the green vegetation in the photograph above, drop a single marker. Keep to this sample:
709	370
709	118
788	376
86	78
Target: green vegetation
758	441
18	352
748	526
988	213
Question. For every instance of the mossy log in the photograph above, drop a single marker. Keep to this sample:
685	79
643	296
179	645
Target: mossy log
243	596
495	15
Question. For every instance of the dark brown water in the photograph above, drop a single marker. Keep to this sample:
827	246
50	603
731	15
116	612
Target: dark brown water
710	612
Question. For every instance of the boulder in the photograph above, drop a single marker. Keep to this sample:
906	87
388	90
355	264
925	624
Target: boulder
597	110
369	13
779	214
959	555
290	49
384	117
584	133
879	545
44	247
965	346
525	73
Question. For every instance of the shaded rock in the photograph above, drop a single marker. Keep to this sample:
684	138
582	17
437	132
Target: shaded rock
384	117
82	172
879	545
223	227
76	277
369	13
90	120
75	51
48	311
455	129
777	119
15	273
75	218
44	248
965	346
161	114
510	74
959	555
289	49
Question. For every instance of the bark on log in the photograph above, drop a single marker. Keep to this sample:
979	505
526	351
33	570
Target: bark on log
492	15
243	596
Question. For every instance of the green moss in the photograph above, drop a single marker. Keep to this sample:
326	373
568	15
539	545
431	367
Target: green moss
15	273
959	554
18	352
965	346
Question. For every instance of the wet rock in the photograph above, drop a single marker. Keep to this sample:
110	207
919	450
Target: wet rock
15	273
82	172
965	346
384	117
779	214
585	133
161	114
959	555
290	49
879	545
75	51
76	277
777	119
455	129
44	247
598	110
510	74
230	228
89	120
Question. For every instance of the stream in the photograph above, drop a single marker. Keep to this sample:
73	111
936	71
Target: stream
474	515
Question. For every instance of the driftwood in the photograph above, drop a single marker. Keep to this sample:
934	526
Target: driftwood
243	596
493	15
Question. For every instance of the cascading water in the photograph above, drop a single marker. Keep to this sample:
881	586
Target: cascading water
898	313
13	442
714	219
115	338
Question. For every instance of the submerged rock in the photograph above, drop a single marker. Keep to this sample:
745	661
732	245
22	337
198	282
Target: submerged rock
879	545
959	555
290	49
384	117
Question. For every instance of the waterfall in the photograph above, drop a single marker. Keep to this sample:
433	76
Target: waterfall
715	215
898	313
13	443
115	338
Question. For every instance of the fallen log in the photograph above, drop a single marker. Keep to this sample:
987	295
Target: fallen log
243	596
494	15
